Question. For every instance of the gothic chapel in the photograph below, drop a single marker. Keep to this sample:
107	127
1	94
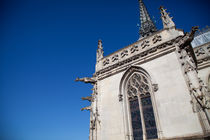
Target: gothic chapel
155	88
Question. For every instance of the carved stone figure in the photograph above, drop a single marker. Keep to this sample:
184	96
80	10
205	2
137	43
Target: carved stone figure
100	52
91	80
155	87
185	43
189	37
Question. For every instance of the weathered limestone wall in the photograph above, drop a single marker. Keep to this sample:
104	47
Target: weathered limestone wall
110	109
175	116
172	99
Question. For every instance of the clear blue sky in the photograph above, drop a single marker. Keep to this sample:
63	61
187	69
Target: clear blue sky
46	44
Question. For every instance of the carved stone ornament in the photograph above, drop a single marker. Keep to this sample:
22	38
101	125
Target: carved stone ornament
156	39
199	52
134	49
140	55
115	58
206	95
145	44
155	87
137	84
188	68
187	38
120	97
106	62
166	19
100	52
124	53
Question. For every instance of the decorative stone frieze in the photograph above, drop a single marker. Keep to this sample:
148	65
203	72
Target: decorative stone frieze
115	58
106	62
202	54
124	53
140	56
134	49
145	44
156	39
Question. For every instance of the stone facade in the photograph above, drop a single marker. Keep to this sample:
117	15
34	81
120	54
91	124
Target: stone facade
176	82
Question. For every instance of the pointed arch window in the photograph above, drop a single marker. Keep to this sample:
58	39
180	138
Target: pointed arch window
141	109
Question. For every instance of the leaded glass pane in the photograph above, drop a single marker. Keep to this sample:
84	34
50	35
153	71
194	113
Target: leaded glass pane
136	119
149	118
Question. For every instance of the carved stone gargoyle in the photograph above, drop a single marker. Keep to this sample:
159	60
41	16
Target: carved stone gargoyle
86	108
91	80
188	38
89	98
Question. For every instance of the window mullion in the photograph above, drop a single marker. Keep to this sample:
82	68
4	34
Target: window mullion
142	118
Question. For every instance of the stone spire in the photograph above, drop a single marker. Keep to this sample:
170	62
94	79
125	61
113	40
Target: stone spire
147	25
166	19
100	52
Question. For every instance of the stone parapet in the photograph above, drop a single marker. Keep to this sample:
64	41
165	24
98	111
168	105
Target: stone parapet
145	49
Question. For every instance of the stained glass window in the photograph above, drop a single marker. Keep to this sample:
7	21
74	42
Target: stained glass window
149	118
136	119
138	90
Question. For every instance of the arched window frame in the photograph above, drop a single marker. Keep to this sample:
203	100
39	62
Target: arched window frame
125	101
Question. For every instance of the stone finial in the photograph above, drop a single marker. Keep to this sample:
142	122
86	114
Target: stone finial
166	19
100	52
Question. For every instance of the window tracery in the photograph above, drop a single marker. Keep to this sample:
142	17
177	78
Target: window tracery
141	110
